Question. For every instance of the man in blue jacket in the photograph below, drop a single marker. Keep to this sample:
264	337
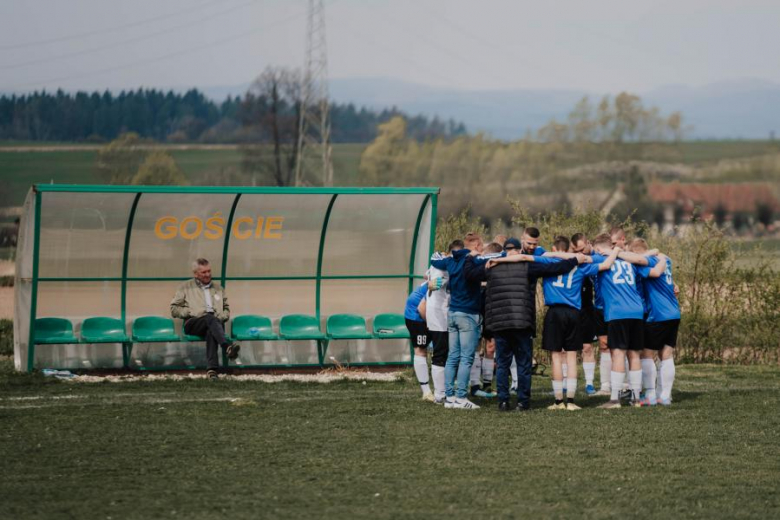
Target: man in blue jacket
464	323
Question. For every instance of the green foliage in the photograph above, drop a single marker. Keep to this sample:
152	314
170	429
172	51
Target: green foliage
6	338
119	160
159	168
175	117
456	226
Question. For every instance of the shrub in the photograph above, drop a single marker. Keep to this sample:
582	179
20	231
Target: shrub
6	338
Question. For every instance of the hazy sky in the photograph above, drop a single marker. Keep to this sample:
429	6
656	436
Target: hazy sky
601	46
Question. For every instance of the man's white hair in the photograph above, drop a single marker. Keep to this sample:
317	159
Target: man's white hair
199	262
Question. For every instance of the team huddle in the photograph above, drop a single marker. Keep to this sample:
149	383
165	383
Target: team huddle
601	291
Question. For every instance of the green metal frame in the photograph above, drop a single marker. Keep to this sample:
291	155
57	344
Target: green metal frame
431	195
231	190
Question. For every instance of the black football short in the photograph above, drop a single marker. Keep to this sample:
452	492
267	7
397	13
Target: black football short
587	326
599	325
418	331
661	333
626	334
562	329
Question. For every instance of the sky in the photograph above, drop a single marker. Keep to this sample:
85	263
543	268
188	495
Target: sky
592	45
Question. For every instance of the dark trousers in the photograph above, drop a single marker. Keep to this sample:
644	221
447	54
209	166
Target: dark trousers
515	343
210	328
441	347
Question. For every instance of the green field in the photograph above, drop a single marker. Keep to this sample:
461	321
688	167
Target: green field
20	170
233	449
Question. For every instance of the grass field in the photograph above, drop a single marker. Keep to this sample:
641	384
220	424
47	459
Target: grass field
20	170
231	449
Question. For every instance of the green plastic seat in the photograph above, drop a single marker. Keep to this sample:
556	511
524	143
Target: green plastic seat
192	337
347	326
151	329
300	326
53	331
103	330
252	327
390	326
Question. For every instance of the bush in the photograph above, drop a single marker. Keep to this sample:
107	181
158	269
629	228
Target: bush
6	338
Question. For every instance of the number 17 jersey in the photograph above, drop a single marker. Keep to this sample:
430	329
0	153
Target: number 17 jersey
619	290
566	289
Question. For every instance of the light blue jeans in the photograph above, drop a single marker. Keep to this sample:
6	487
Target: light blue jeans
464	330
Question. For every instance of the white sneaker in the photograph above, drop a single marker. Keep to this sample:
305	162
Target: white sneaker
464	404
439	400
428	397
604	391
449	402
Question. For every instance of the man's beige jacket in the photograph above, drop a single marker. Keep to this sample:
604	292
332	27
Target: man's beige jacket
190	302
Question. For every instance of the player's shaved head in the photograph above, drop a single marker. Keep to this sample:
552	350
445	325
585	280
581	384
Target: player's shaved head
493	247
638	245
473	242
561	244
602	240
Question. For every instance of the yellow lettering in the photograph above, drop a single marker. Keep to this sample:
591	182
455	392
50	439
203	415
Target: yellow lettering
165	228
198	228
237	232
259	228
215	227
272	224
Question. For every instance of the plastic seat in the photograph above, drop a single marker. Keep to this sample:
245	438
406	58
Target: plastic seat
390	326
347	326
192	337
103	330
300	326
150	329
54	330
252	327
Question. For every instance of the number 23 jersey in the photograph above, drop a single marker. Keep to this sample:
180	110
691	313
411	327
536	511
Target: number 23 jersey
619	290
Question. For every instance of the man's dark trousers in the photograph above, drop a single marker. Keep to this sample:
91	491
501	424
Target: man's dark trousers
515	343
210	328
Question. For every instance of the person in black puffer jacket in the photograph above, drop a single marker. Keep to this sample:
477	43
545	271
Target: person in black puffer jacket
510	313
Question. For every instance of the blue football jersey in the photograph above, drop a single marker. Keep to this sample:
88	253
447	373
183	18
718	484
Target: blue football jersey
418	295
566	289
598	298
660	298
619	291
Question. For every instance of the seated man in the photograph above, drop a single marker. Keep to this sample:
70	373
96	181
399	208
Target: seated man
203	306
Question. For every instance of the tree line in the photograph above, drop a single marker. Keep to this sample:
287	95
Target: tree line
188	117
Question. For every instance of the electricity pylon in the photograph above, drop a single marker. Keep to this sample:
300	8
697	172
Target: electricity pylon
314	147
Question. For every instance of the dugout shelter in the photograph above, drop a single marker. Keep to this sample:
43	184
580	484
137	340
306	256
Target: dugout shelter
313	276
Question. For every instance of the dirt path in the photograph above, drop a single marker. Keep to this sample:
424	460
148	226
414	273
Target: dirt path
6	303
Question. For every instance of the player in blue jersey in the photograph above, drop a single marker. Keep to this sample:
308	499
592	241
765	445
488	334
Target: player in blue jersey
661	326
530	242
418	332
562	335
623	313
579	244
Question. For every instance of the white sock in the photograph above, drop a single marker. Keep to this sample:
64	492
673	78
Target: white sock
648	378
590	371
626	384
571	388
513	372
605	366
667	371
558	389
635	382
617	379
421	371
487	371
437	375
659	387
475	377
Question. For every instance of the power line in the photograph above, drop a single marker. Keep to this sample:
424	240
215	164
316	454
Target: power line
129	40
163	57
103	31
